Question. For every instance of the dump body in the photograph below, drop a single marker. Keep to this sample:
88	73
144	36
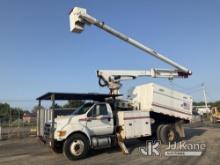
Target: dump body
155	98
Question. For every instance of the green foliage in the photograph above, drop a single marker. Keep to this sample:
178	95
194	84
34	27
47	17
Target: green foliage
69	104
215	104
8	113
4	110
56	106
73	104
201	103
212	104
35	108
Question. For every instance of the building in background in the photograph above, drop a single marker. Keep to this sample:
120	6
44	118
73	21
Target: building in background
29	117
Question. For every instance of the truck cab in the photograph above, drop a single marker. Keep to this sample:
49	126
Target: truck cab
89	126
91	119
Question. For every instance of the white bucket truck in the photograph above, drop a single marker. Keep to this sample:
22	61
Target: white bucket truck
152	110
148	110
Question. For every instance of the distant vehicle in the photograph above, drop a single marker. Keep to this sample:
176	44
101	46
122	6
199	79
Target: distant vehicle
196	117
203	110
215	115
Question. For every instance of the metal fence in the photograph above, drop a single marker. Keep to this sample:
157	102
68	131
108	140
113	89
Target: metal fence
17	129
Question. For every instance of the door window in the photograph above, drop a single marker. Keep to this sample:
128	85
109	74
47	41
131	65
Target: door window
99	109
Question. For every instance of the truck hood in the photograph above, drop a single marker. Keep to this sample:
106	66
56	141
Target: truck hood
62	121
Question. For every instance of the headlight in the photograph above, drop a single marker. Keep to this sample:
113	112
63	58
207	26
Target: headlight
61	133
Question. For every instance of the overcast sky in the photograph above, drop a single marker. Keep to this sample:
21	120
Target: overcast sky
39	54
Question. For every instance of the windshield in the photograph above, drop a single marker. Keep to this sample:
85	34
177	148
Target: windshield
82	109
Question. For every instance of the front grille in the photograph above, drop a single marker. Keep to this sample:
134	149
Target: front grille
47	130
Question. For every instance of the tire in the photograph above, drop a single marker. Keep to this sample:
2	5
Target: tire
158	132
76	147
57	148
168	134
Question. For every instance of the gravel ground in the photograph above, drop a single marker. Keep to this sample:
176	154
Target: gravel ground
31	151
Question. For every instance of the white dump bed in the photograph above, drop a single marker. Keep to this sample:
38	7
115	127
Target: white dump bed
153	97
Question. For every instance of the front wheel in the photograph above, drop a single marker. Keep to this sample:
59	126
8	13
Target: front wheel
76	147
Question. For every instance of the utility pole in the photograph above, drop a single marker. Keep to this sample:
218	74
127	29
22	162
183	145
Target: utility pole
204	93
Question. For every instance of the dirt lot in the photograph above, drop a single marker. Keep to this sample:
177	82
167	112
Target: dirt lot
31	151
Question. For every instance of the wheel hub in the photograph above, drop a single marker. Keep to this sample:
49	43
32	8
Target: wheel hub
171	135
77	147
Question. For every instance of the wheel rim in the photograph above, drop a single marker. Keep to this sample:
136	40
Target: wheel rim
77	147
171	135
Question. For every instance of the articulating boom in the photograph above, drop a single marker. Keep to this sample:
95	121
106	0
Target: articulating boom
79	17
112	78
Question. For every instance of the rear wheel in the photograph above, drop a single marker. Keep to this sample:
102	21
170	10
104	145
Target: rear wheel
168	134
158	132
76	147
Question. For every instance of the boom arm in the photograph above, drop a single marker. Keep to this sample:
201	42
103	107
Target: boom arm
112	78
79	17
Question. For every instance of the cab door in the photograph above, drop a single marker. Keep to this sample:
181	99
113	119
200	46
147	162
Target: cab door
100	120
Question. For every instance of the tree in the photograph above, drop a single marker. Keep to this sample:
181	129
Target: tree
4	111
16	113
73	104
212	104
35	108
9	113
201	103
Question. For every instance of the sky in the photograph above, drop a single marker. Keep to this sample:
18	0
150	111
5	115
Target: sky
38	53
